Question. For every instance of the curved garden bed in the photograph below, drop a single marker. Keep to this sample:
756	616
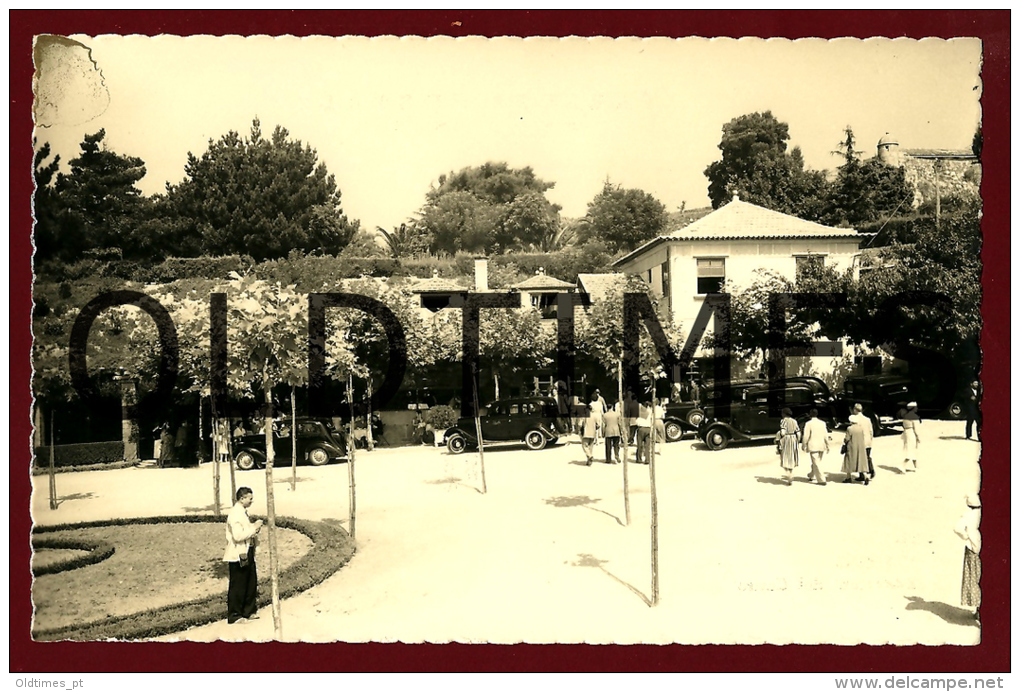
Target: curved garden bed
90	553
331	549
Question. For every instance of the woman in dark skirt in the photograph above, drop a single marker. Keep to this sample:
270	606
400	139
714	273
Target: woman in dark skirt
968	529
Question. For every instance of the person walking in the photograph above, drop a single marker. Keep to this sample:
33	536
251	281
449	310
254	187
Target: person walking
611	428
869	434
973	405
630	412
968	528
816	444
241	532
855	457
911	436
787	441
589	431
643	424
597	407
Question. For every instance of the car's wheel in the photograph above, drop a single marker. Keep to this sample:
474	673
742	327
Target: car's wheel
245	461
535	440
318	457
955	410
695	417
673	431
456	443
717	438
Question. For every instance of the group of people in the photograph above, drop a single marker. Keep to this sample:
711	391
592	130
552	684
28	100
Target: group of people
623	421
856	449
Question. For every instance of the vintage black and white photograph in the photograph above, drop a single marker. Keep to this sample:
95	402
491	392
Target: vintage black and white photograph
503	340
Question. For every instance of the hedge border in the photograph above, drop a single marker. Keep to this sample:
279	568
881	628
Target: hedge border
108	466
331	549
97	551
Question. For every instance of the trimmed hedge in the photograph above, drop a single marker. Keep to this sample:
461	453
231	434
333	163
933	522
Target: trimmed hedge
43	467
331	550
175	268
97	552
81	454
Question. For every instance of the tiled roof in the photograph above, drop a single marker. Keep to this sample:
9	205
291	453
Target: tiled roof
540	281
437	285
739	220
745	221
599	286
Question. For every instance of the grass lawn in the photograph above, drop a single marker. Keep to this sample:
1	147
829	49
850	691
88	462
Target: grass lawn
154	565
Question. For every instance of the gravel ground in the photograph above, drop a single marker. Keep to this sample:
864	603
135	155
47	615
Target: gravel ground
545	555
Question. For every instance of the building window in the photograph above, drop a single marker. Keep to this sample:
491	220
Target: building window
808	265
665	284
711	275
545	303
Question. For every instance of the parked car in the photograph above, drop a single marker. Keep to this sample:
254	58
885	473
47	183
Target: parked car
755	417
532	420
318	443
686	416
883	398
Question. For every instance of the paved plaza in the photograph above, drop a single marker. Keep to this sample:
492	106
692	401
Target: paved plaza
545	555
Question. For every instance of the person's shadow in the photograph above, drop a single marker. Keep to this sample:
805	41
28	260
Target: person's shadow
951	614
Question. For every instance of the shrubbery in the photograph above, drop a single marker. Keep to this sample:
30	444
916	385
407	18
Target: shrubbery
331	550
441	417
83	454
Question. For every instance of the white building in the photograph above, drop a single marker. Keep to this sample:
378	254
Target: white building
729	244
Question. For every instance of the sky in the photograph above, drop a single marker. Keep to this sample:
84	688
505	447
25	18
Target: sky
389	115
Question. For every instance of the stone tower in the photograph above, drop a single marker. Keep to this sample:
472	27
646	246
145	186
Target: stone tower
889	150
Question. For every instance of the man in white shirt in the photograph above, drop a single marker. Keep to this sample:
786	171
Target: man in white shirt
816	444
239	555
869	433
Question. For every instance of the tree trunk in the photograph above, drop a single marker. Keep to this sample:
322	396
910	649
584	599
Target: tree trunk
369	440
626	440
478	430
655	506
217	443
201	441
352	498
293	442
495	381
274	568
53	463
230	465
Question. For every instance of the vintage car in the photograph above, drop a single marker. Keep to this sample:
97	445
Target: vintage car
686	416
884	397
318	443
532	420
758	414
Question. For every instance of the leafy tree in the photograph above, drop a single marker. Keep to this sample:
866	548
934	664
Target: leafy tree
259	196
865	190
623	219
488	208
513	339
92	206
756	166
749	314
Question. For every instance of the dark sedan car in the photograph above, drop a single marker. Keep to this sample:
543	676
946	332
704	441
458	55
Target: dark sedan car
531	420
757	416
686	416
318	443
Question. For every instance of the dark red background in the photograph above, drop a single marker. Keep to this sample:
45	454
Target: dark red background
991	655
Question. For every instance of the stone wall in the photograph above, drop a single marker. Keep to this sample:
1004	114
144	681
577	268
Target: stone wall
960	179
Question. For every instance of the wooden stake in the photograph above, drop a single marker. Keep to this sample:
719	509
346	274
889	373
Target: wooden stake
53	464
626	440
655	507
293	442
274	567
216	466
478	429
352	498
